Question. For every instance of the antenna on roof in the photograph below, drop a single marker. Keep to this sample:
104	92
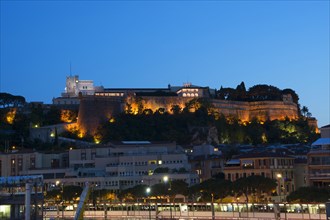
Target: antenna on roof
70	69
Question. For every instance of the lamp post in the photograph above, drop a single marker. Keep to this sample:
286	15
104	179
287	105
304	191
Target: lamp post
62	186
166	179
279	178
148	190
57	183
212	206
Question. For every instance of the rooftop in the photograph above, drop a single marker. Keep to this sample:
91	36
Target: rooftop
263	155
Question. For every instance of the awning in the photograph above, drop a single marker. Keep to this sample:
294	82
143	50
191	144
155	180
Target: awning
233	161
322	141
247	161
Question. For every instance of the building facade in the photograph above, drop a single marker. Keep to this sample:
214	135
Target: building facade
207	161
97	104
119	165
319	160
272	165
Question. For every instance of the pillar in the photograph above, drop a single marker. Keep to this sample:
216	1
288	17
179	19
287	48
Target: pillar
27	201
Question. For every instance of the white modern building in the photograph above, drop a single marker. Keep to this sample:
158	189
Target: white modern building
126	164
119	165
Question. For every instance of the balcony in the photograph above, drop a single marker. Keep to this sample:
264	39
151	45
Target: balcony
247	166
320	176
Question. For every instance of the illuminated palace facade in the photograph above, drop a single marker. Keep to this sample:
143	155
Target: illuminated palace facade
98	104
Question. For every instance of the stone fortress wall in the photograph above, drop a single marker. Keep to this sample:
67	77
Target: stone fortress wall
98	105
94	110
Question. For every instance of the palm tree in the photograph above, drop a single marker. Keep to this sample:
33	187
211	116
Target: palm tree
304	111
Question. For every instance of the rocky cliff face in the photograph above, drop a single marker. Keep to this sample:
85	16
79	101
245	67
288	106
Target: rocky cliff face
204	135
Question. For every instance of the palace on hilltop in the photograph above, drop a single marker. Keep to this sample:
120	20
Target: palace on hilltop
99	104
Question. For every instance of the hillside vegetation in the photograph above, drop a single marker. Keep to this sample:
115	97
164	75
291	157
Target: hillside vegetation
203	126
196	123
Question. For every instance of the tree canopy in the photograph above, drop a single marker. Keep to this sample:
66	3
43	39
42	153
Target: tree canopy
259	92
309	194
194	127
218	188
254	185
9	100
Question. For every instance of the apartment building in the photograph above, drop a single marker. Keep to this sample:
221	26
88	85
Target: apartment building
206	160
14	162
268	164
319	160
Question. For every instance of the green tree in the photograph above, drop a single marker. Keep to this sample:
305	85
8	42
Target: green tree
71	191
65	193
241	92
255	131
161	170
309	194
160	190
264	92
52	116
176	109
134	193
227	94
128	109
255	184
9	100
295	97
304	111
178	187
217	187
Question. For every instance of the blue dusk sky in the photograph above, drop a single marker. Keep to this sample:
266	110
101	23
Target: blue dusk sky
152	44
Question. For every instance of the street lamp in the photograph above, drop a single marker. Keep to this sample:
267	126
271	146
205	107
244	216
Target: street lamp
148	190
279	178
166	179
57	183
212	206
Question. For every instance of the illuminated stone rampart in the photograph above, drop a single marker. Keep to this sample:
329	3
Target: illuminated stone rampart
95	110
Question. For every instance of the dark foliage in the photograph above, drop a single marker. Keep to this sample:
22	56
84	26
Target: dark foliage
66	193
181	127
309	194
253	185
9	100
16	133
255	93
